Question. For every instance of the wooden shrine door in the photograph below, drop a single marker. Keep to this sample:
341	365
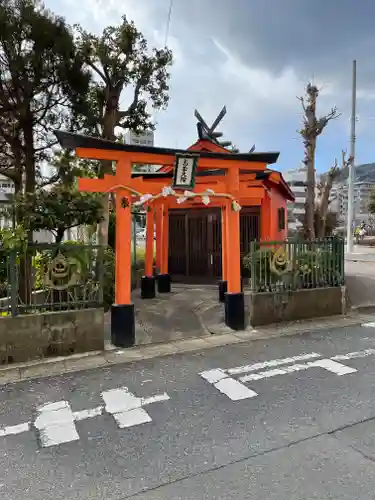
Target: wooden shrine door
195	242
195	245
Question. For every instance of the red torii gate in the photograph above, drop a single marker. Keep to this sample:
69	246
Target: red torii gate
124	187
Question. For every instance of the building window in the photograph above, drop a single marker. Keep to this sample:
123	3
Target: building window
281	218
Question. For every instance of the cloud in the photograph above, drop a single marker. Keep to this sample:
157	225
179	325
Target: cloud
254	57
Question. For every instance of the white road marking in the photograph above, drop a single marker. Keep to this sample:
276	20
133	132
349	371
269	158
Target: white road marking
333	366
227	385
213	376
272	363
234	389
12	430
328	364
90	413
274	373
55	423
370	325
354	355
126	408
158	398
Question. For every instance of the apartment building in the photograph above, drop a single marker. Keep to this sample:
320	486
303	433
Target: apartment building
297	180
143	139
339	200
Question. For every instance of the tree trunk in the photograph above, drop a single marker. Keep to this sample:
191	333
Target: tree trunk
59	235
25	284
323	209
310	191
109	125
312	128
29	158
102	230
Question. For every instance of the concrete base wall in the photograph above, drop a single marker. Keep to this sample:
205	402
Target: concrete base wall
36	336
270	307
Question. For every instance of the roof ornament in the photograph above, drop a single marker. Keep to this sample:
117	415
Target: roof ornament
210	134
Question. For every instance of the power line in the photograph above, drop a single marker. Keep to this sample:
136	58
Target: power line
168	22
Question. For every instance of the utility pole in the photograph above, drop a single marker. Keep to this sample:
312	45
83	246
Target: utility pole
351	176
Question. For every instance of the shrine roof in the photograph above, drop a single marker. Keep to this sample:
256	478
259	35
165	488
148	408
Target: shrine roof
260	176
70	140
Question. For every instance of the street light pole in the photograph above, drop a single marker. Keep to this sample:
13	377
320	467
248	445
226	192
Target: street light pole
351	176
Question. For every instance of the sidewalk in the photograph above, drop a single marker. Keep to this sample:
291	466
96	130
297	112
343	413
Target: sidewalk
105	359
361	254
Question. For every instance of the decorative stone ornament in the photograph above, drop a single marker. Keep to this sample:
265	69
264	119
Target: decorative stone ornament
62	273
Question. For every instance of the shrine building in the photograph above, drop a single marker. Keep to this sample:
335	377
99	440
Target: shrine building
208	203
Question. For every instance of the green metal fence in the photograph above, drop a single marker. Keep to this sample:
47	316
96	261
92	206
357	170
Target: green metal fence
46	277
295	265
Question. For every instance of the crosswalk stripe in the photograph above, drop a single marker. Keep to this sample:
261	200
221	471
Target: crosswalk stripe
126	408
55	424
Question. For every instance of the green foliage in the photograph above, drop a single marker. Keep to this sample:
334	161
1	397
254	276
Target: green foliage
42	81
120	58
58	209
300	265
109	274
108	278
259	262
68	167
13	239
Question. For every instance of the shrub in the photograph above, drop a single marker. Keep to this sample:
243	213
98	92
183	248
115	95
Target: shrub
108	278
302	268
109	274
260	263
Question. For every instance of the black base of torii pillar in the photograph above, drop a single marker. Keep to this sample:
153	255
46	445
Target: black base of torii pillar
123	325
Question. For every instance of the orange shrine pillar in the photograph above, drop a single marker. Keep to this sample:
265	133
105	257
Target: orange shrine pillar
223	283
234	298
266	219
158	230
122	312
148	280
163	278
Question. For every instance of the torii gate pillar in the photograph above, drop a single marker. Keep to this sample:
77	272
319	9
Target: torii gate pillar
122	311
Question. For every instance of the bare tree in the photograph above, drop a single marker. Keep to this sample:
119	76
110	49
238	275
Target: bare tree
312	128
324	192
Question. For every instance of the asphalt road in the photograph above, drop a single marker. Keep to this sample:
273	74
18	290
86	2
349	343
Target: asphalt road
305	428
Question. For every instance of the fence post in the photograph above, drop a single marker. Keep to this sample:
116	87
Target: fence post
341	245
101	275
13	275
253	265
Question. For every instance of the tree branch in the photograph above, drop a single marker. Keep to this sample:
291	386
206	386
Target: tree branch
133	105
302	101
97	71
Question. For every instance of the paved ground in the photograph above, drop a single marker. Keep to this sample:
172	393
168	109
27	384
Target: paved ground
186	312
360	276
189	311
288	418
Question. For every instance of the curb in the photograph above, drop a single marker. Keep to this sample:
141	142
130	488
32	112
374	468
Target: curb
104	359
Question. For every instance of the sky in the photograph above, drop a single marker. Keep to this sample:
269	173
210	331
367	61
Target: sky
255	57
